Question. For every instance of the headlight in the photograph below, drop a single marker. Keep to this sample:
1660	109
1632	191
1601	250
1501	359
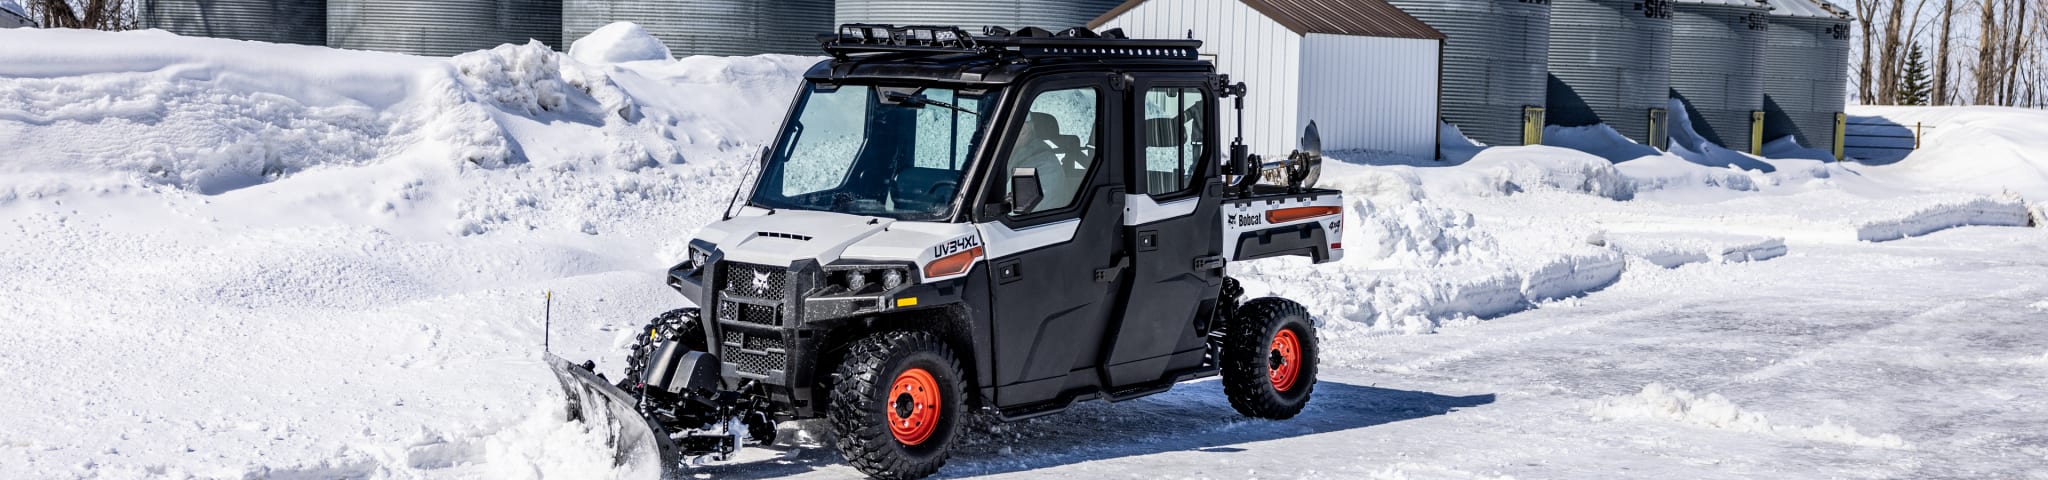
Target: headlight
859	280
699	257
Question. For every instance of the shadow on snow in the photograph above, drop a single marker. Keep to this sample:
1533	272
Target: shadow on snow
1194	417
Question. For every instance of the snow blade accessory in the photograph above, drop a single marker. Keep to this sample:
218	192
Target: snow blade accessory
597	403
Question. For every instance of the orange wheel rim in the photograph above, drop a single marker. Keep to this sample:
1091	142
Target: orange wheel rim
913	406
1285	360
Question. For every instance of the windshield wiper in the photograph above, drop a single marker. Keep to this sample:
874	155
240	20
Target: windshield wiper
920	101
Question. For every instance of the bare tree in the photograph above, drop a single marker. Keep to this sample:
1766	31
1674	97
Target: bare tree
1866	10
1888	54
2017	46
87	14
1986	85
1941	93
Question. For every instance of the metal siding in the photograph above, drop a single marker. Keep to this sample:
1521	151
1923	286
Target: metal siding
1260	52
1610	62
1371	93
722	27
1717	69
971	15
276	21
1494	63
1805	74
441	28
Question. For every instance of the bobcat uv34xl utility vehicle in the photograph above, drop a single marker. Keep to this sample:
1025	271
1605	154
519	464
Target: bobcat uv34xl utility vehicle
1002	224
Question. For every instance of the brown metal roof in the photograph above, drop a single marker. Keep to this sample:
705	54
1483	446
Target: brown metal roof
1367	18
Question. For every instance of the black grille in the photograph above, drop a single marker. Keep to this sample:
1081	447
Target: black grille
759	364
762	342
766	315
755	342
755	281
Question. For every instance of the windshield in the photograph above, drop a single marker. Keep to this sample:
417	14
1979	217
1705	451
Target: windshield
882	151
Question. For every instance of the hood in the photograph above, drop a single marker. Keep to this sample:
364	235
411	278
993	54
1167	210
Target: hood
786	236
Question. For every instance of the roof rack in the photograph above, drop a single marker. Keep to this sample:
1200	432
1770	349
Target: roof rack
1028	42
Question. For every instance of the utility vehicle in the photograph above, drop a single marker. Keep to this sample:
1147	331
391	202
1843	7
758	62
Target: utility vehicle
954	224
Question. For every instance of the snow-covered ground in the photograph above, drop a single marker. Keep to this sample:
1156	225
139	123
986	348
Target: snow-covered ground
231	260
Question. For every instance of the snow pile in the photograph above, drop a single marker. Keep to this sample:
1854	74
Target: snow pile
1987	150
1911	220
1662	403
1672	249
1399	225
1600	140
619	42
1687	143
1514	170
324	247
1413	263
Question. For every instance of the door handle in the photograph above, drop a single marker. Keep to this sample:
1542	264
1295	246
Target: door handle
1109	273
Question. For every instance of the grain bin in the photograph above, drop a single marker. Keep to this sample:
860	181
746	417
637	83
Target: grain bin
441	27
1610	62
971	15
710	27
1806	67
1494	66
276	21
1717	67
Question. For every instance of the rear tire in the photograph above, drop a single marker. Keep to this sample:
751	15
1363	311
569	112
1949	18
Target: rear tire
897	405
1269	358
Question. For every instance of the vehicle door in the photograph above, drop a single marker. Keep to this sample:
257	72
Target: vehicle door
1052	301
1172	229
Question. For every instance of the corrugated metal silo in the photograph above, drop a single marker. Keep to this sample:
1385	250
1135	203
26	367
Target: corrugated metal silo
1494	67
710	27
1717	67
1806	69
441	27
276	21
1610	62
971	15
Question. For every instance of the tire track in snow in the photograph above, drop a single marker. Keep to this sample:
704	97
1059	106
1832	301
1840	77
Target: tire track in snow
1929	317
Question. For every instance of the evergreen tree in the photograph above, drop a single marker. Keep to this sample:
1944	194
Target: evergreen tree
1913	86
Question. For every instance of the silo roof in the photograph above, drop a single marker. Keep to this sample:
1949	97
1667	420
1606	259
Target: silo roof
1365	18
10	7
1808	9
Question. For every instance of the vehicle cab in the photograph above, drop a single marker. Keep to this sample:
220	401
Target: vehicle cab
1014	192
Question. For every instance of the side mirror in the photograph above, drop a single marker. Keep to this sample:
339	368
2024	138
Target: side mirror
1024	191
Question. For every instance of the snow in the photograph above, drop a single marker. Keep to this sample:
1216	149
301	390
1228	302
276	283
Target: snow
1989	150
619	42
1663	403
237	259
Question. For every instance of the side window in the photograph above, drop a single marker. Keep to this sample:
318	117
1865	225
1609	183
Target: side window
1173	138
1058	138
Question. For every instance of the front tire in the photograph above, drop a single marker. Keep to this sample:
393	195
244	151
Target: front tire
897	405
1269	358
683	325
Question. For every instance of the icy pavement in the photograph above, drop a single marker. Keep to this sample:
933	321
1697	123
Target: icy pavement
1912	359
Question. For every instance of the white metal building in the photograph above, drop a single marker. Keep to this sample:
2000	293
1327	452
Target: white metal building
1365	72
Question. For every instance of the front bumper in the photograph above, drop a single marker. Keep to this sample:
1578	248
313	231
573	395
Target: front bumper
768	322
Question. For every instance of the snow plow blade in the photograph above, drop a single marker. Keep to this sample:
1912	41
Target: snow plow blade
597	403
